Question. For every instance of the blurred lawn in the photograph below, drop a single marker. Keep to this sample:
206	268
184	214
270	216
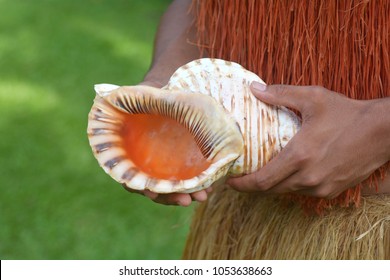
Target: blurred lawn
55	201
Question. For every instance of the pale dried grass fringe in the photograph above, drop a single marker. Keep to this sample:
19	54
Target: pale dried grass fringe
381	222
241	226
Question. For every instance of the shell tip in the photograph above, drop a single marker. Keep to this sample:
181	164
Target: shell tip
104	89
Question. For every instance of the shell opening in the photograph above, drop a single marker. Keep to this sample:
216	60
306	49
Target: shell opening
199	114
165	141
161	147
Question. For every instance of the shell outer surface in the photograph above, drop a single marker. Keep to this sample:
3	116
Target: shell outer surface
266	129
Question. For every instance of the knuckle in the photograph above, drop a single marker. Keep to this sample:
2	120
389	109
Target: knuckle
319	90
312	181
317	94
301	157
262	183
322	192
304	153
332	195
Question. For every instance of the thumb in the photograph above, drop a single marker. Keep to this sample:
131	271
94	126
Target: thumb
281	95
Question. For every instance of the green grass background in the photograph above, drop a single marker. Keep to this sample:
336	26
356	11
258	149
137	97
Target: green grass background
55	201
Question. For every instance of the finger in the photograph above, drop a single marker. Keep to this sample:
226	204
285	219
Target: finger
274	172
209	189
199	196
282	95
290	184
132	190
181	199
296	184
166	199
150	194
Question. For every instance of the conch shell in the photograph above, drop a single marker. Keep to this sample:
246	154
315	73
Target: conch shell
204	125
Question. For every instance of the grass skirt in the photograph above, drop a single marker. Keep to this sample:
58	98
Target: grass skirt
232	225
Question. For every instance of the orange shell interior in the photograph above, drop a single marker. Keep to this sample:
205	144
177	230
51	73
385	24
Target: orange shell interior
161	147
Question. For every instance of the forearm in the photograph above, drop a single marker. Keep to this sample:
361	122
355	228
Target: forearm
174	43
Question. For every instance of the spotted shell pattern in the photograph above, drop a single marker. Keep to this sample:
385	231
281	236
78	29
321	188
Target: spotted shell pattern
265	129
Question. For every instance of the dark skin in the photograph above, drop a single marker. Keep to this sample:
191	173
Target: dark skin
341	142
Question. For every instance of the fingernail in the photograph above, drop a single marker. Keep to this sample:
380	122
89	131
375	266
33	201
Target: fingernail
183	203
259	86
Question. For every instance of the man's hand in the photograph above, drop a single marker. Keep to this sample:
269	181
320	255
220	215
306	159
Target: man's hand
341	142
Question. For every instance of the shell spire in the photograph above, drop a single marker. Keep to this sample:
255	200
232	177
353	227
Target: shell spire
104	89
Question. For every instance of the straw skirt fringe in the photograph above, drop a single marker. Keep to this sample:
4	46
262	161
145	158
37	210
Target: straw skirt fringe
232	225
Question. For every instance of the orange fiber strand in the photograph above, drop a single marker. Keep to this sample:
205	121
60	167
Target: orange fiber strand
340	45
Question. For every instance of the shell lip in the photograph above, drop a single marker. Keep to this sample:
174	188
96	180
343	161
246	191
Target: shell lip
105	89
215	171
206	114
143	181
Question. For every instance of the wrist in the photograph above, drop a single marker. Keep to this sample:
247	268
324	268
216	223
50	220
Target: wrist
156	77
385	111
152	82
379	114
